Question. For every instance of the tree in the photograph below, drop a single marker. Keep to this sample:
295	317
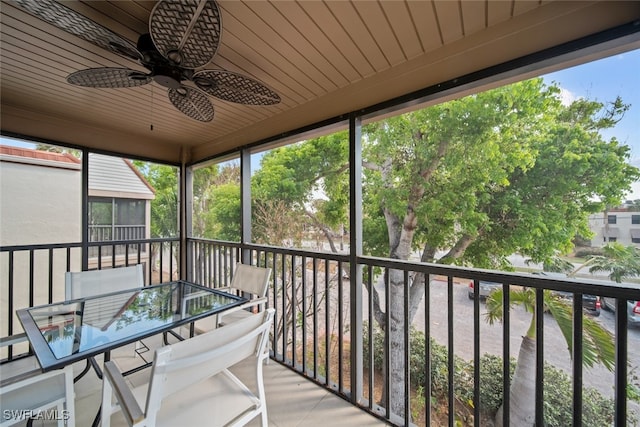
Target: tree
293	177
164	206
216	201
598	347
479	178
619	261
476	179
40	146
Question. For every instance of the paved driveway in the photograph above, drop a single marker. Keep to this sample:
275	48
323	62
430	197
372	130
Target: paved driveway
555	347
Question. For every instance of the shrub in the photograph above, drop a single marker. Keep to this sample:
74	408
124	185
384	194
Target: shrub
597	410
586	252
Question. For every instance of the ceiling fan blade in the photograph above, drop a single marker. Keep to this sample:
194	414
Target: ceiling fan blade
235	87
108	77
186	32
74	23
192	102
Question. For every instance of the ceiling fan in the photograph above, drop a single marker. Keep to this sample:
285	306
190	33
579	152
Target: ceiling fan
184	36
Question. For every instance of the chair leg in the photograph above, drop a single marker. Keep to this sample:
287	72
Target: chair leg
106	407
69	403
60	415
261	395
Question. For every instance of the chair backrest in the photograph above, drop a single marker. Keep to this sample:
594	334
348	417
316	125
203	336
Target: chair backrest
95	282
251	279
180	365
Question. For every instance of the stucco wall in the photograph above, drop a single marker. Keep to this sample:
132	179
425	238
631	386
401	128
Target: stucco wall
39	204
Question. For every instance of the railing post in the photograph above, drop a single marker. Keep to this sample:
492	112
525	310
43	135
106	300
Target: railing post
185	264
85	210
245	204
355	250
621	363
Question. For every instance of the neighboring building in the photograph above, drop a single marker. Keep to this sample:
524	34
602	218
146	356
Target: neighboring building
616	225
119	202
40	197
41	203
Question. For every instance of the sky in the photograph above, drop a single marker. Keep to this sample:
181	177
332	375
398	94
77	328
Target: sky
601	80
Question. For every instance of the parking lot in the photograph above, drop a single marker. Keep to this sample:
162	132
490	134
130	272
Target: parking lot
555	347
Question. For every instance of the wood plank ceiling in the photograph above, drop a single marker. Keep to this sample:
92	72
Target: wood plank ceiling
324	59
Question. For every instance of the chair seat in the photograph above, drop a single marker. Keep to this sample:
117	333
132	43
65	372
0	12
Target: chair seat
213	402
234	317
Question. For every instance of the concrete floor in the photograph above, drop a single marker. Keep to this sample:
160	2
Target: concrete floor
291	399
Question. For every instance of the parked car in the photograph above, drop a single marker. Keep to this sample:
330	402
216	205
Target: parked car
633	309
591	304
486	288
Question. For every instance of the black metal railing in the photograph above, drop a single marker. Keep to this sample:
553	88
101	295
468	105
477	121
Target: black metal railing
109	233
35	274
325	315
312	333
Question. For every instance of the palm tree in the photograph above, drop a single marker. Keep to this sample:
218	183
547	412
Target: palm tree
620	261
598	347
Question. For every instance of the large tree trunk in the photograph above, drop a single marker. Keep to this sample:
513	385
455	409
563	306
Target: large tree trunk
522	395
395	333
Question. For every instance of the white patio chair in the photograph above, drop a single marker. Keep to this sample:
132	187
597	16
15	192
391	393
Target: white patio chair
26	391
251	282
199	365
94	282
83	284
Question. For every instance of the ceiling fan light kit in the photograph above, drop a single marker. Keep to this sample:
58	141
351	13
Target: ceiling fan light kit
183	37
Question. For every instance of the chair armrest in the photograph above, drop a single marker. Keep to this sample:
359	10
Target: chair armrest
251	303
13	339
254	302
125	397
21	377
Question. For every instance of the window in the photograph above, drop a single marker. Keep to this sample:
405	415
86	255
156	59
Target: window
116	219
635	240
612	219
613	239
635	219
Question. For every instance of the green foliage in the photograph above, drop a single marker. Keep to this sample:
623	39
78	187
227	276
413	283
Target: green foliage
597	410
40	146
216	201
307	182
164	206
598	343
620	261
503	171
223	215
633	385
588	252
558	387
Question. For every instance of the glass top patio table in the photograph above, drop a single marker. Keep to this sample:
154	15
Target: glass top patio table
65	332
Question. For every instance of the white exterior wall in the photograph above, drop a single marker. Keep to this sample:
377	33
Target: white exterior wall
40	202
38	197
621	230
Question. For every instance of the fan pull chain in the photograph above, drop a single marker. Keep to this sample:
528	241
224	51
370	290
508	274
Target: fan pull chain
151	125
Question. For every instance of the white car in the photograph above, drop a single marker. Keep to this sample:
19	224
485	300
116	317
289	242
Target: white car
633	309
